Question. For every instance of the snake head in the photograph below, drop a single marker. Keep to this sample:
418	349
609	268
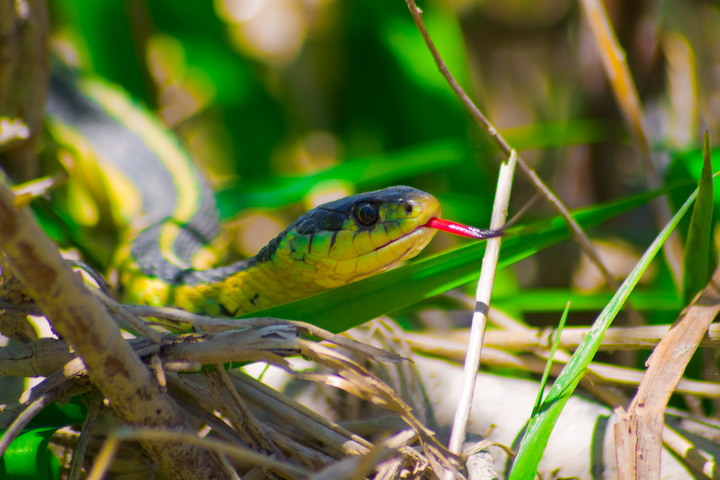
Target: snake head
352	238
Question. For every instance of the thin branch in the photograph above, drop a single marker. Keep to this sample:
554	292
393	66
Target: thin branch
577	232
24	75
112	365
170	437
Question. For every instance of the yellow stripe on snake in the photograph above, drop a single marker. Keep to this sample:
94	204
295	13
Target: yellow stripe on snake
151	180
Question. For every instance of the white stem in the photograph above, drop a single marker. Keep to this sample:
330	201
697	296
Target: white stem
482	297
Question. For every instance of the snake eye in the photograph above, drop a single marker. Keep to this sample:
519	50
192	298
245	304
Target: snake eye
408	209
366	214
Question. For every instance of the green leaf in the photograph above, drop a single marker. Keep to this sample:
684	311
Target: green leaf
29	458
352	305
548	365
541	424
406	44
686	166
697	261
554	300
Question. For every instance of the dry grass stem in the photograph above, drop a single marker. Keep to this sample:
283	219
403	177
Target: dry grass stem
339	440
615	338
623	86
482	305
641	427
693	455
250	429
578	234
211	324
164	437
597	374
95	403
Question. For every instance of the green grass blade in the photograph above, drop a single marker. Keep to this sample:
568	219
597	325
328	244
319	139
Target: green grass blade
553	300
541	425
355	304
548	365
697	261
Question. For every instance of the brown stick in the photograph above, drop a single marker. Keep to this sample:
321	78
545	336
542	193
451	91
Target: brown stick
640	429
112	365
24	74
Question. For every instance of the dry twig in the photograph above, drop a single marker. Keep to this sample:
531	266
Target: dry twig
640	429
112	365
577	232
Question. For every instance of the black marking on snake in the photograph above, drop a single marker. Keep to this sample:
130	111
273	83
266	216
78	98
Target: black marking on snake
329	220
306	225
213	275
268	251
254	299
333	237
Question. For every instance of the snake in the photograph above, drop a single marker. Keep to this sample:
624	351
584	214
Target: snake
171	218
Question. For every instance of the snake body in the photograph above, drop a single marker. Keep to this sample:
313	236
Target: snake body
152	181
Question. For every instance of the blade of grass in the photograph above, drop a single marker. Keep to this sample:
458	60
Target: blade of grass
541	425
696	261
548	365
550	300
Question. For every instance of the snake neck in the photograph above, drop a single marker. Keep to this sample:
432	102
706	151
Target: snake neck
240	288
276	275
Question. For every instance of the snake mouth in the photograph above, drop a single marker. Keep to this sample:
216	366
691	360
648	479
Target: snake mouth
413	241
423	230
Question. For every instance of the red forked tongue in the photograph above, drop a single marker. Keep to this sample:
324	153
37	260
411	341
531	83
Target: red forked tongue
462	230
